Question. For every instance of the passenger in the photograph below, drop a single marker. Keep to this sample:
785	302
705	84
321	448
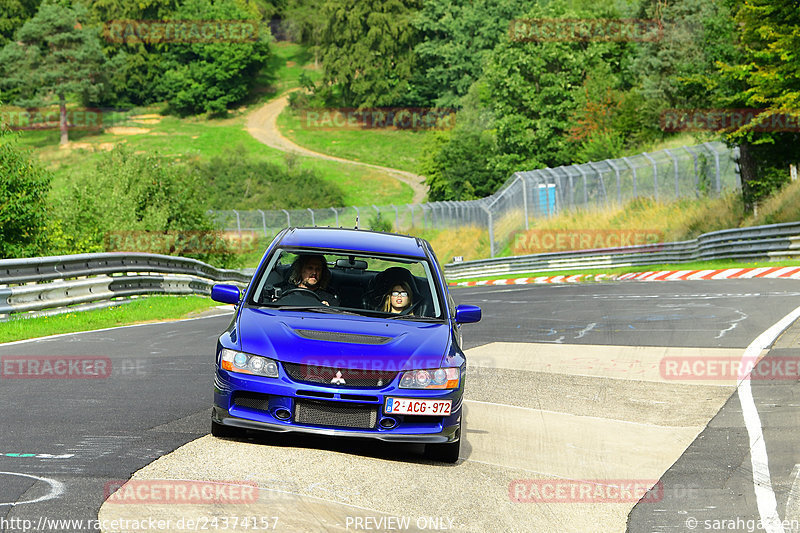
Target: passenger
311	272
398	299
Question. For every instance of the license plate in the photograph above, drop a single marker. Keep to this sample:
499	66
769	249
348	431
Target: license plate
416	406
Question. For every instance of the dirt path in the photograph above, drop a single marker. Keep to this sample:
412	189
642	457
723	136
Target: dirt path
262	124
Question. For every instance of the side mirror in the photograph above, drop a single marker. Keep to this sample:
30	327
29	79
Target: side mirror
466	314
227	294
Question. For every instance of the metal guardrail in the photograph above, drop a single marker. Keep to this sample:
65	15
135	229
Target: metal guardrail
772	242
48	285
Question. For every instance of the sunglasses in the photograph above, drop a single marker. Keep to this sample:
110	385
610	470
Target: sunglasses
399	293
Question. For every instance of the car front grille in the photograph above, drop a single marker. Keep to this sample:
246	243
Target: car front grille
333	414
339	377
259	402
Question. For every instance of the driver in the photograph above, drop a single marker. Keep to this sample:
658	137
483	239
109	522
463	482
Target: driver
310	271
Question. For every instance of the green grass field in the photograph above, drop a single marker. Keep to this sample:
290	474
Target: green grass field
392	148
149	309
183	139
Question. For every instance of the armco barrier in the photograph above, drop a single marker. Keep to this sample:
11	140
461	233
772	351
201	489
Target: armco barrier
41	285
764	243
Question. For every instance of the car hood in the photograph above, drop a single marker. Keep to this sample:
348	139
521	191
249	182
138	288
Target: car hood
343	341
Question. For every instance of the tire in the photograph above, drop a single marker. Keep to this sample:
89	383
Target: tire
218	430
444	453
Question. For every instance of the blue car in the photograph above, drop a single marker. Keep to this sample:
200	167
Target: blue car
348	333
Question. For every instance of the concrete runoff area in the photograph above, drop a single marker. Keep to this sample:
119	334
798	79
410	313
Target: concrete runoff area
514	436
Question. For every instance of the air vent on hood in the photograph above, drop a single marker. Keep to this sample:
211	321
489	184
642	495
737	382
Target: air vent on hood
337	336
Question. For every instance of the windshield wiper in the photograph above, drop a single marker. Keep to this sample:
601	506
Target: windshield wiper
316	308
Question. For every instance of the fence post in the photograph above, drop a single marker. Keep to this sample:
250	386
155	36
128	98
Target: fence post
716	164
491	230
411	207
396	218
288	218
336	214
358	216
602	182
696	174
655	173
263	221
675	169
238	223
619	185
633	169
585	185
312	216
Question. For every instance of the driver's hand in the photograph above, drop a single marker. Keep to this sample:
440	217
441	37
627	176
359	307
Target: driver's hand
326	303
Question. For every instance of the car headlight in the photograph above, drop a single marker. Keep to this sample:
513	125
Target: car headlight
439	378
234	361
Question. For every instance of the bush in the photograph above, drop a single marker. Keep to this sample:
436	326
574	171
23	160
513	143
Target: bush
24	186
236	181
139	193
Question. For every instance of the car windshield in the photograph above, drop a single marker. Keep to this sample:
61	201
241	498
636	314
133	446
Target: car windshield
345	282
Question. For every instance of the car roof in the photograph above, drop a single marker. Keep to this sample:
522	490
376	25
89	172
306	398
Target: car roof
354	240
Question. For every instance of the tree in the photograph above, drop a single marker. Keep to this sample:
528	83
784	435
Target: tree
24	187
12	14
454	39
766	76
54	53
210	76
367	49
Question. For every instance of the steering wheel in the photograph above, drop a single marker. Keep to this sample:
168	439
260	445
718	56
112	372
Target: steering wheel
301	290
410	308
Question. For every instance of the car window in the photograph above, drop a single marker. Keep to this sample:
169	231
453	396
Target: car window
359	283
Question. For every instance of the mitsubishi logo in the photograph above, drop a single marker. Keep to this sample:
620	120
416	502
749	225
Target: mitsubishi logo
338	380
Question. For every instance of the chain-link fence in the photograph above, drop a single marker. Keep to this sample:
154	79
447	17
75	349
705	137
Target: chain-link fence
689	171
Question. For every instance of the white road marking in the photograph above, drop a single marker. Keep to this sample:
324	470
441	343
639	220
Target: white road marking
792	510
762	483
56	489
49	337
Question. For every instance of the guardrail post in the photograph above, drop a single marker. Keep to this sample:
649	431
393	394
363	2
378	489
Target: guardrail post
711	149
655	173
288	218
263	221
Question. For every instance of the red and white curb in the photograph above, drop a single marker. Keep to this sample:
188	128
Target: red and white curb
661	275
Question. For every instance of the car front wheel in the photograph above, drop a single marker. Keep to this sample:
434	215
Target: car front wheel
444	453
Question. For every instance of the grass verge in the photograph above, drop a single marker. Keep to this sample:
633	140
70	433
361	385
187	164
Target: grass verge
149	309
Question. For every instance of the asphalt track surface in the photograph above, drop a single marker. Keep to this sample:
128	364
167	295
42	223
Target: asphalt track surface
566	388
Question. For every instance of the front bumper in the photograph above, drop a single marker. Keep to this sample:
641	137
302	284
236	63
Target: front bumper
222	416
282	393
